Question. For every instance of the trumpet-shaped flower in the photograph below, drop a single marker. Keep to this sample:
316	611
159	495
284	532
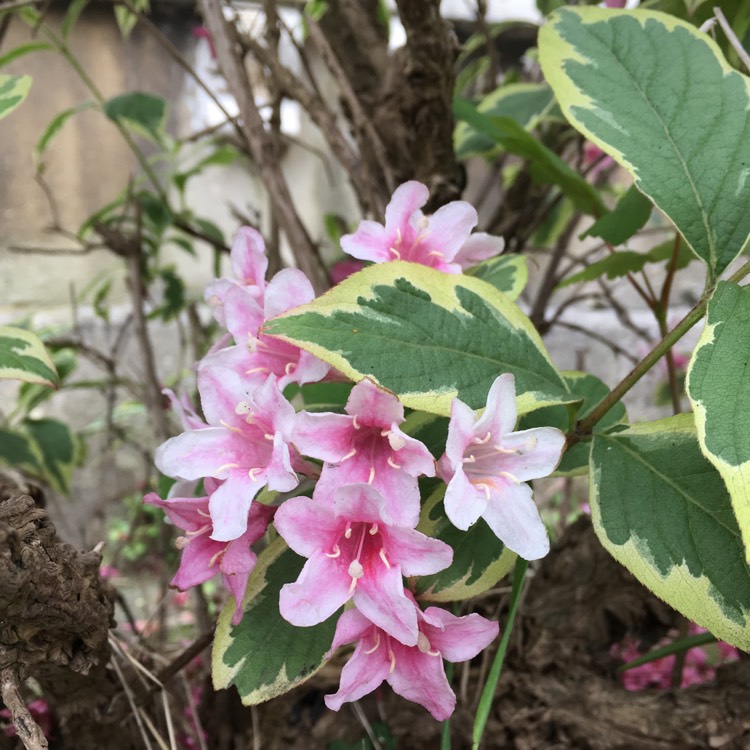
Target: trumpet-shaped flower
366	445
354	552
486	467
246	444
443	240
416	671
202	556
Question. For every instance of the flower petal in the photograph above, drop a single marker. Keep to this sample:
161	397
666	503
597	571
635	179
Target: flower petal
514	518
200	453
318	592
480	246
288	288
458	638
406	200
365	670
381	600
306	526
420	678
351	626
539	451
230	503
196	564
369	242
374	406
501	413
463	502
249	259
415	553
460	434
449	228
325	436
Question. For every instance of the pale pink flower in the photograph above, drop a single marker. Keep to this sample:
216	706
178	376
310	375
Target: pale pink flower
249	266
486	466
355	552
246	444
415	672
443	240
367	445
202	556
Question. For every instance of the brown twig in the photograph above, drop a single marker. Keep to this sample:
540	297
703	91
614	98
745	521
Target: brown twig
28	730
260	143
732	37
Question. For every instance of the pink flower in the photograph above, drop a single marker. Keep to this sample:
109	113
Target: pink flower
487	466
202	556
414	672
366	445
246	445
354	552
443	240
249	266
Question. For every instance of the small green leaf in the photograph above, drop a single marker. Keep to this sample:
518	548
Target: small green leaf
480	559
31	395
23	357
426	336
662	510
628	80
24	49
545	165
629	215
507	273
718	385
126	19
264	656
71	16
13	90
59	450
523	102
54	127
144	113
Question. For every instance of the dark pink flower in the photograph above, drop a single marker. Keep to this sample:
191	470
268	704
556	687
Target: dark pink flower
202	556
355	552
443	240
413	671
343	269
367	445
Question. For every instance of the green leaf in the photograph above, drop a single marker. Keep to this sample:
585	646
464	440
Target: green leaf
657	95
590	390
523	102
13	90
426	336
31	395
662	510
210	230
624	262
144	113
480	559
71	16
544	165
59	450
54	127
17	451
507	273
629	215
23	357
126	19
718	385
24	49
264	656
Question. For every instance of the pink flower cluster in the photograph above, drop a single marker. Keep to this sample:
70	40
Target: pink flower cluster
358	530
699	667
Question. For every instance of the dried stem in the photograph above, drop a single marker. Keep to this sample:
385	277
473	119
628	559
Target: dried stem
28	730
260	143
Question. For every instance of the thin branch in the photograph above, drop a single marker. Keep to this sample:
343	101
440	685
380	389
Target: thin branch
360	118
598	337
732	37
27	729
260	143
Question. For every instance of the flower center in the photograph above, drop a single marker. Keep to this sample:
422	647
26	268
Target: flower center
359	547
